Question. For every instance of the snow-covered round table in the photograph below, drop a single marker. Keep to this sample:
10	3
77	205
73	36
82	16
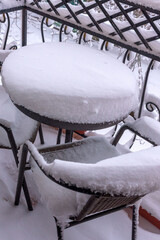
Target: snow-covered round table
70	86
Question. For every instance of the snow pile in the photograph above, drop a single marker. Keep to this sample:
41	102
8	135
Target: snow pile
128	175
4	4
70	82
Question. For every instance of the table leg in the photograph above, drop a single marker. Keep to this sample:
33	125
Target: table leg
59	135
69	135
24	27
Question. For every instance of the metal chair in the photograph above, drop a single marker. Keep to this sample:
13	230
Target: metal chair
15	127
95	188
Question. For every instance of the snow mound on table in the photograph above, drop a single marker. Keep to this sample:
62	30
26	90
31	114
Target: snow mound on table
70	83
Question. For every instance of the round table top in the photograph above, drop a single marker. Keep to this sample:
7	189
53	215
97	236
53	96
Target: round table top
70	83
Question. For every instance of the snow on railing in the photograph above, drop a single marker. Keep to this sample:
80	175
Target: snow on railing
133	24
122	22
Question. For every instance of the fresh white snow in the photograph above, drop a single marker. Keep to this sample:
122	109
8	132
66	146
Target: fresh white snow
17	223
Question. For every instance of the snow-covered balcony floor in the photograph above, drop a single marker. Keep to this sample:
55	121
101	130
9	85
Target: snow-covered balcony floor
18	223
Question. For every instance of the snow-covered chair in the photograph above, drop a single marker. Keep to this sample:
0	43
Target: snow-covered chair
15	127
89	178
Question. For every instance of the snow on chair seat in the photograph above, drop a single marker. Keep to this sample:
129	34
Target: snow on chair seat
111	184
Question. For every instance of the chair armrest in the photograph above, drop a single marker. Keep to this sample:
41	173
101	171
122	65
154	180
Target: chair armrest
145	127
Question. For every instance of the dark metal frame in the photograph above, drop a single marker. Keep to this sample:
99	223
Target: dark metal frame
66	125
15	154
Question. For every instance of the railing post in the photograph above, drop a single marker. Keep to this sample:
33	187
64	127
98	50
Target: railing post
24	27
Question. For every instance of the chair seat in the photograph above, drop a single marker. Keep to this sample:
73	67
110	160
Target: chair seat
21	125
52	194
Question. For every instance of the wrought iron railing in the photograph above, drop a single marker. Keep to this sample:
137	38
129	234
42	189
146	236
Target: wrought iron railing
122	22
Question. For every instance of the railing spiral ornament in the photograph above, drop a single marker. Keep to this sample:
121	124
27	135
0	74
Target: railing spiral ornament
150	106
104	45
5	19
45	22
64	29
42	29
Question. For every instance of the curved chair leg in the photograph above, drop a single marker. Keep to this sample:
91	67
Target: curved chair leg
59	230
21	180
135	217
15	154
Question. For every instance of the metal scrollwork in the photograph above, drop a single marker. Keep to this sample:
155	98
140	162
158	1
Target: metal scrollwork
5	19
150	106
104	45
